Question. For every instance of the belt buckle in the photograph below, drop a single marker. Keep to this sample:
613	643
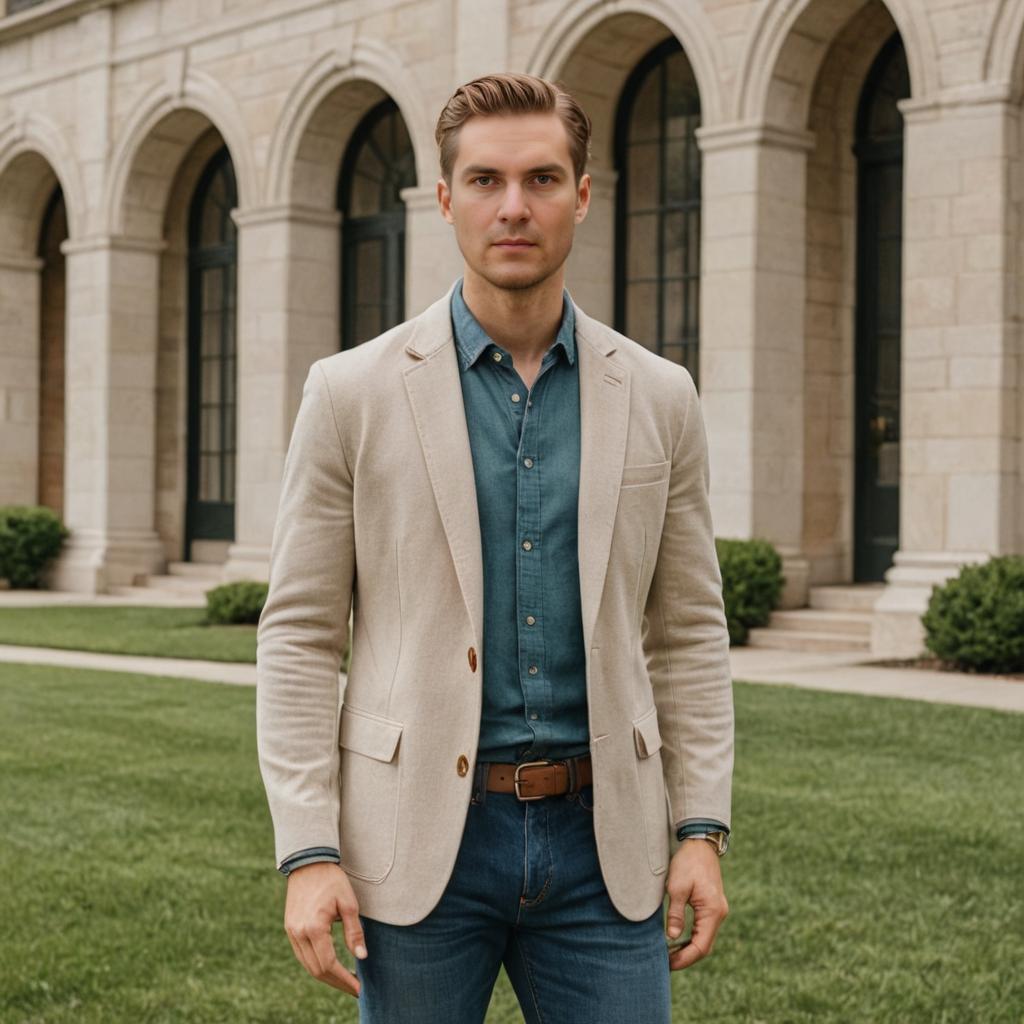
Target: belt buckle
516	780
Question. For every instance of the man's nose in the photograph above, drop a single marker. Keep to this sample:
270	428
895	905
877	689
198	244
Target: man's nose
513	204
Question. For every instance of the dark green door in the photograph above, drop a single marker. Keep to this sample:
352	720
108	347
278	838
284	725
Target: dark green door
879	152
210	502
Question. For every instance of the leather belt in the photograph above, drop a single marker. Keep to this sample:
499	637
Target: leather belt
531	780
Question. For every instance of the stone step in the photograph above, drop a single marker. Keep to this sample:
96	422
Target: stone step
179	584
793	640
816	620
196	570
858	597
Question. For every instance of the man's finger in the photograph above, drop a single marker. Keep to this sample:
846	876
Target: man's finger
330	970
705	925
353	929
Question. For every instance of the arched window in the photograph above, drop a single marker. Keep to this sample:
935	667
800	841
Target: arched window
657	265
879	153
378	164
212	261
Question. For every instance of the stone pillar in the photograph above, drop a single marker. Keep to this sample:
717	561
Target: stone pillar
960	395
432	257
288	275
591	265
753	258
110	401
19	379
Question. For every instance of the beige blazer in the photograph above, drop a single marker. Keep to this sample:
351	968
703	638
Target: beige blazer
378	507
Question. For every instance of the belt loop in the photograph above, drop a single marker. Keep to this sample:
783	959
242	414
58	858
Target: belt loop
480	782
571	765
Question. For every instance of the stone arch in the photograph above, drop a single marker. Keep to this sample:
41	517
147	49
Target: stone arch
1003	63
155	141
829	334
788	46
321	113
613	35
592	48
39	188
34	159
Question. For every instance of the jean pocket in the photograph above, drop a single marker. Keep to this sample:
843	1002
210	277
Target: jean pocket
584	796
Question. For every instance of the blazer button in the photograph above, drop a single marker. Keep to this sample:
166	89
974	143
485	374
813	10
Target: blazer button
472	658
463	764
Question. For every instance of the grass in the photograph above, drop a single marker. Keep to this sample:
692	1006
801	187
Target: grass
875	873
114	629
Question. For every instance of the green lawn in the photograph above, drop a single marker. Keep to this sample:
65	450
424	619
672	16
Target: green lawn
875	875
114	629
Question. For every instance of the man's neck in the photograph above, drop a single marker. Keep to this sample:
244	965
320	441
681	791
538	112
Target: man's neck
523	321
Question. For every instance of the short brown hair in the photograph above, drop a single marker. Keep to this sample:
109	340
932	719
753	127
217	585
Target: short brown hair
508	93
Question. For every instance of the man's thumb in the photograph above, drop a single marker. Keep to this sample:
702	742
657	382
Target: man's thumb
676	917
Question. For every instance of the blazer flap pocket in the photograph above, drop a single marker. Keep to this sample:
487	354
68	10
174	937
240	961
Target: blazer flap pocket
366	734
646	734
647	473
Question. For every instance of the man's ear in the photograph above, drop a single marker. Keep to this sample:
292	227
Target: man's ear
582	198
444	200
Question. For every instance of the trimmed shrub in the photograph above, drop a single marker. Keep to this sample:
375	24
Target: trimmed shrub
752	581
238	602
30	537
975	621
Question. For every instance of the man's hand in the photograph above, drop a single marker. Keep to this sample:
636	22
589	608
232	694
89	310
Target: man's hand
694	877
318	895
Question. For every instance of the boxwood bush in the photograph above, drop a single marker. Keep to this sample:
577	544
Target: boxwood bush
975	621
30	537
238	602
752	581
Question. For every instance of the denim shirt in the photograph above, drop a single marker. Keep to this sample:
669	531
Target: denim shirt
525	445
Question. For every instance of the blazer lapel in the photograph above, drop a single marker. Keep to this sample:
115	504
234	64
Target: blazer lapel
435	394
604	418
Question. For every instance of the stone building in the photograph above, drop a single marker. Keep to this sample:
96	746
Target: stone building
813	204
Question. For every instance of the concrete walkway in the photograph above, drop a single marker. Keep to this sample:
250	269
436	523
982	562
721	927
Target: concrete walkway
842	673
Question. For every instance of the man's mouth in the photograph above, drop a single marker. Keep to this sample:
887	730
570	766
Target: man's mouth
515	243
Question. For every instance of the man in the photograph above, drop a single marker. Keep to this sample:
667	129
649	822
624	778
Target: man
514	498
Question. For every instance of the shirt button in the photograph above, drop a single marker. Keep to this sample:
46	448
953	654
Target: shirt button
532	670
472	658
533	714
462	765
530	620
496	356
515	396
527	463
527	545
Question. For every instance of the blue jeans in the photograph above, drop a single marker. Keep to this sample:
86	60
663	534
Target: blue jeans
527	892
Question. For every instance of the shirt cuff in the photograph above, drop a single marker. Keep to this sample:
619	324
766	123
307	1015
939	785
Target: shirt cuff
698	826
312	855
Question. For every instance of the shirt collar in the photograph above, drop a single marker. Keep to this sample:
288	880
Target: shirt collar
471	339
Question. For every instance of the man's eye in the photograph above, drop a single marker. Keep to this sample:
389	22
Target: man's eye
483	178
547	176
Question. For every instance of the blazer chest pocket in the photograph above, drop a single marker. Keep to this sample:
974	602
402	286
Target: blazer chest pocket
651	780
371	768
646	473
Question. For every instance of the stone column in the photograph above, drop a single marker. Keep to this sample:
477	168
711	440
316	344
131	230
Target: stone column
110	401
959	498
288	272
432	257
19	379
753	260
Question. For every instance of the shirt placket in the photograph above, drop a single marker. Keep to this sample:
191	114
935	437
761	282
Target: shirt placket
533	678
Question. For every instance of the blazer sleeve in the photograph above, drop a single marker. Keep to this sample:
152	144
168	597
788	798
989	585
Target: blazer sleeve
303	628
685	637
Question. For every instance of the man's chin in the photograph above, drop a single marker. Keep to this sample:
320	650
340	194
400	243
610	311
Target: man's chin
515	279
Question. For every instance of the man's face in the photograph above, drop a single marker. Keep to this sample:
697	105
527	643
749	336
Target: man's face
513	199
